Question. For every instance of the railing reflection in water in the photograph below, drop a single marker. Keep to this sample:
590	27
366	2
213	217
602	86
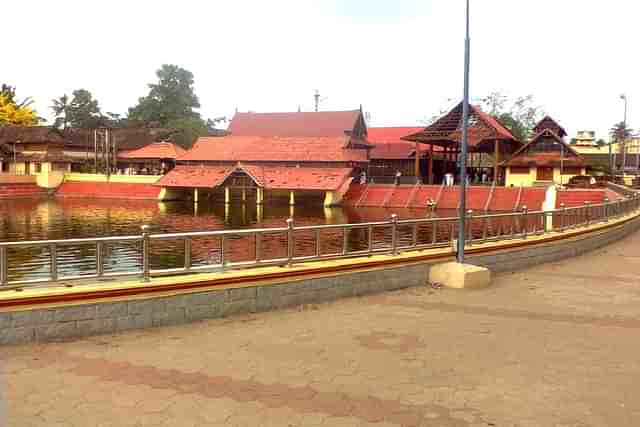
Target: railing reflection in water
181	253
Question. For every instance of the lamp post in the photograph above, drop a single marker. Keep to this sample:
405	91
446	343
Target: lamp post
463	144
624	136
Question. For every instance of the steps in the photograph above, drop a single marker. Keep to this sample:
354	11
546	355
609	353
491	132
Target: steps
376	195
22	190
423	194
532	198
400	197
108	190
504	199
575	198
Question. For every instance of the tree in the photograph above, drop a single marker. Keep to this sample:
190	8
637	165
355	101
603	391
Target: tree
81	112
620	132
170	104
60	108
13	112
519	115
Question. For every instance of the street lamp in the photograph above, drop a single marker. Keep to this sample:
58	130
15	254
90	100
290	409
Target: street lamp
624	136
463	146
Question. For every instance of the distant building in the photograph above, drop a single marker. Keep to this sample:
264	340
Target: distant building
545	159
292	154
585	138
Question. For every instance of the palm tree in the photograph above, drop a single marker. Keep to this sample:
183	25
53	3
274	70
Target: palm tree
61	108
620	133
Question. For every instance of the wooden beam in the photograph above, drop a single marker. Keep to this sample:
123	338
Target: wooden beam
431	164
417	162
496	161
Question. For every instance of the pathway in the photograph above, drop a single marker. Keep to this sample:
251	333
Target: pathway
556	345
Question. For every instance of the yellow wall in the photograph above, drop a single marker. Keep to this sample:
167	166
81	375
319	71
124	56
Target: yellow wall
529	180
94	177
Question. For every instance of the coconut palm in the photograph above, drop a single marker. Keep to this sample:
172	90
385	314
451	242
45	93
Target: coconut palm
61	109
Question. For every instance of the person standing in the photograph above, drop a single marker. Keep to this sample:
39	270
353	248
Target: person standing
397	177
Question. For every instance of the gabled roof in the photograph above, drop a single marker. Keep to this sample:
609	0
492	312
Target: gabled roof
308	124
548	123
274	149
155	150
31	134
447	130
269	177
388	144
525	157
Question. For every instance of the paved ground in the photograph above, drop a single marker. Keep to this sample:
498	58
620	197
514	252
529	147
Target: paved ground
556	345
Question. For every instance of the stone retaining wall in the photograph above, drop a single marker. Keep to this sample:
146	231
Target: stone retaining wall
30	325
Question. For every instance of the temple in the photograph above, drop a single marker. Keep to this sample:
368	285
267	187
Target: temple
275	155
546	159
488	142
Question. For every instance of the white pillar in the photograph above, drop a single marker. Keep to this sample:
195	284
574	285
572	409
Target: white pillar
292	198
227	198
195	195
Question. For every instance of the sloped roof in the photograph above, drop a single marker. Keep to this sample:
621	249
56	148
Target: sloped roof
523	157
155	150
269	177
388	145
275	149
448	129
195	176
124	138
31	134
307	124
548	123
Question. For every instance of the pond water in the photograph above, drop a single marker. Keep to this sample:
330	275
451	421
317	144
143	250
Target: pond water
63	218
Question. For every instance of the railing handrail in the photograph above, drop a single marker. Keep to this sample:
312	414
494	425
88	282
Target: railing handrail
518	227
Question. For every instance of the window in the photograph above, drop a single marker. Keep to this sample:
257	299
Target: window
519	170
38	167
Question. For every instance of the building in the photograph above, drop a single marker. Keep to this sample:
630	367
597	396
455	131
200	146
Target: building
546	159
32	150
156	158
584	138
275	155
489	141
390	154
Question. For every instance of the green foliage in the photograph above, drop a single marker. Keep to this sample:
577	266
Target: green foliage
82	111
620	132
519	115
601	142
170	104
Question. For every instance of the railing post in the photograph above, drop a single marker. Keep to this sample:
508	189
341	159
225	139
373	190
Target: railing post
4	267
146	244
100	259
258	246
605	208
586	213
187	253
318	243
563	214
53	253
394	234
469	226
223	252
525	222
345	240
369	240
290	242
414	235
434	232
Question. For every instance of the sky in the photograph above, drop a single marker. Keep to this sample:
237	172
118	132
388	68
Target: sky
401	60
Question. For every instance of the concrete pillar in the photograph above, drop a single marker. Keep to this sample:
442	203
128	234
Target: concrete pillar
259	196
227	198
195	195
292	198
259	213
226	212
244	195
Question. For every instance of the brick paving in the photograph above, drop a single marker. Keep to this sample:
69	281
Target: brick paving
555	345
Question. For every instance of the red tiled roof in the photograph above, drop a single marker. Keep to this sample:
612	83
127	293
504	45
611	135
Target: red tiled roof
553	158
275	149
195	176
388	145
155	150
269	177
309	124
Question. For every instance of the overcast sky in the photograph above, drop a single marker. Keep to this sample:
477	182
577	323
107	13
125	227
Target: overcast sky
400	59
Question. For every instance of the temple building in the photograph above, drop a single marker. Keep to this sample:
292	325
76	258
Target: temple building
489	142
156	158
32	150
391	154
264	155
546	159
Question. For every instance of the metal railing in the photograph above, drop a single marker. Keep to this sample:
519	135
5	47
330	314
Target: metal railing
393	236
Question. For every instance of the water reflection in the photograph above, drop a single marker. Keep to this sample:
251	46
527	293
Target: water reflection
26	219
